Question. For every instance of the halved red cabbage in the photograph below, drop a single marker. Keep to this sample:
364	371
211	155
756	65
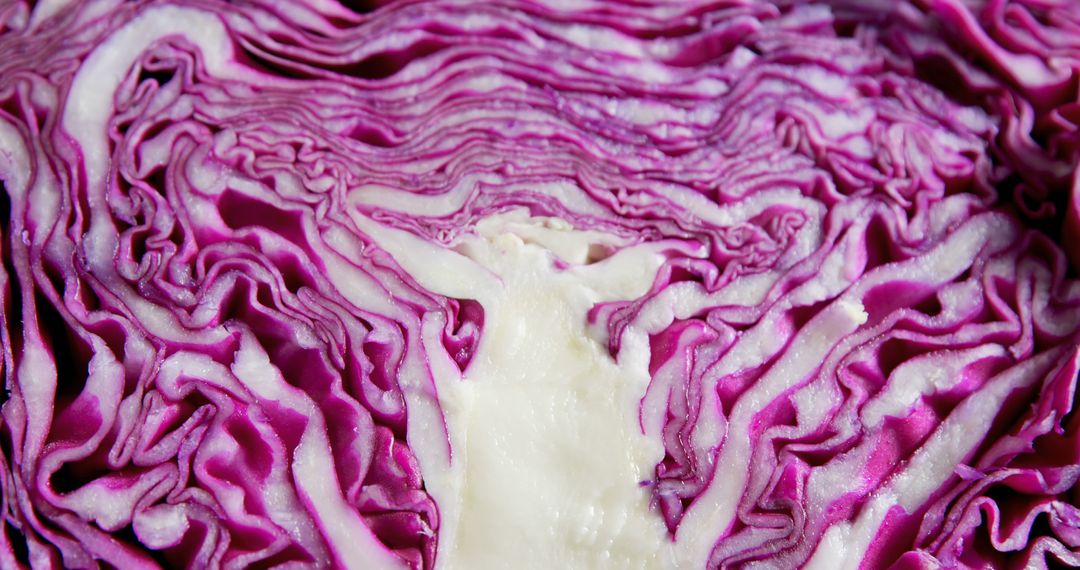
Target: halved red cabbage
862	344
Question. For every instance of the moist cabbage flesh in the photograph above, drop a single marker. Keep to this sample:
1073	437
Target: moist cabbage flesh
539	284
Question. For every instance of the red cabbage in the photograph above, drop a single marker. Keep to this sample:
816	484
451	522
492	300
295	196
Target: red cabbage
255	277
